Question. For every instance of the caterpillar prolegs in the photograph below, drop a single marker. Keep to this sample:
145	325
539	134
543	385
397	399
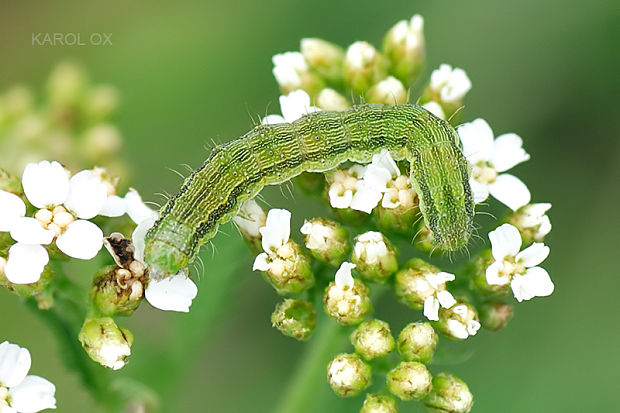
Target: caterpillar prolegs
317	142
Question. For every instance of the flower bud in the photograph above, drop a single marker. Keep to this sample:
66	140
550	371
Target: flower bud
449	394
409	380
100	142
364	66
477	270
327	241
101	101
290	272
348	375
423	240
373	339
417	342
10	183
389	91
67	83
532	222
447	87
329	99
418	283
494	315
105	342
377	403
346	299
404	47
292	72
117	291
399	209
295	318
39	290
459	321
324	57
16	102
250	218
374	256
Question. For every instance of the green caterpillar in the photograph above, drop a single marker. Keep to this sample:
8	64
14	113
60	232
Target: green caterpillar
319	141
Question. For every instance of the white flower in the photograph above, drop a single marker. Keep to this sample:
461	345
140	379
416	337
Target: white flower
20	392
409	33
293	106
65	203
489	158
439	296
518	268
343	278
275	234
451	84
435	108
389	91
462	322
250	218
318	234
360	55
137	210
329	99
371	246
533	217
288	69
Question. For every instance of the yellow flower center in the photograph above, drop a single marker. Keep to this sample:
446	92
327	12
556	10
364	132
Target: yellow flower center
56	219
483	173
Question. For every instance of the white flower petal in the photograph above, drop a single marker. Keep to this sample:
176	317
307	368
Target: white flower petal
492	274
14	364
340	201
507	152
446	300
510	191
261	262
505	241
431	308
534	283
377	177
273	120
457	86
457	329
138	235
480	192
435	108
87	194
277	229
472	327
82	239
544	228
317	233
33	394
11	209
136	209
287	69
366	197
114	206
533	255
384	160
250	218
533	214
28	230
7	409
26	263
295	105
45	183
343	277
477	140
174	293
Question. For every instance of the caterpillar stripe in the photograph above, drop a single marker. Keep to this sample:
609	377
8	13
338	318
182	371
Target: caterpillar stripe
317	142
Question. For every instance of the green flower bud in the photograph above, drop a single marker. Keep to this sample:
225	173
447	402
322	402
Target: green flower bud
373	339
449	394
327	241
346	299
423	240
291	271
67	83
409	380
295	318
16	102
417	281
417	342
101	101
105	342
389	91
329	99
292	72
250	218
477	269
494	315
10	183
118	291
364	66
377	403
348	375
324	57
459	321
399	210
532	222
404	47
375	256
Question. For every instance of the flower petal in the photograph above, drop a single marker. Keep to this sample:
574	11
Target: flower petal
534	283
533	255
510	191
295	105
82	239
543	229
26	263
431	308
174	293
493	276
384	160
250	218
87	194
377	177
340	201
45	183
29	230
435	108
480	191
343	277
477	140
11	209
14	364
138	235
277	229
114	206
366	197
446	300
33	394
505	241
136	209
457	329
261	262
533	214
507	152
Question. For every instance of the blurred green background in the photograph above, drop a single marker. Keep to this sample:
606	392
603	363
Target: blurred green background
191	71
